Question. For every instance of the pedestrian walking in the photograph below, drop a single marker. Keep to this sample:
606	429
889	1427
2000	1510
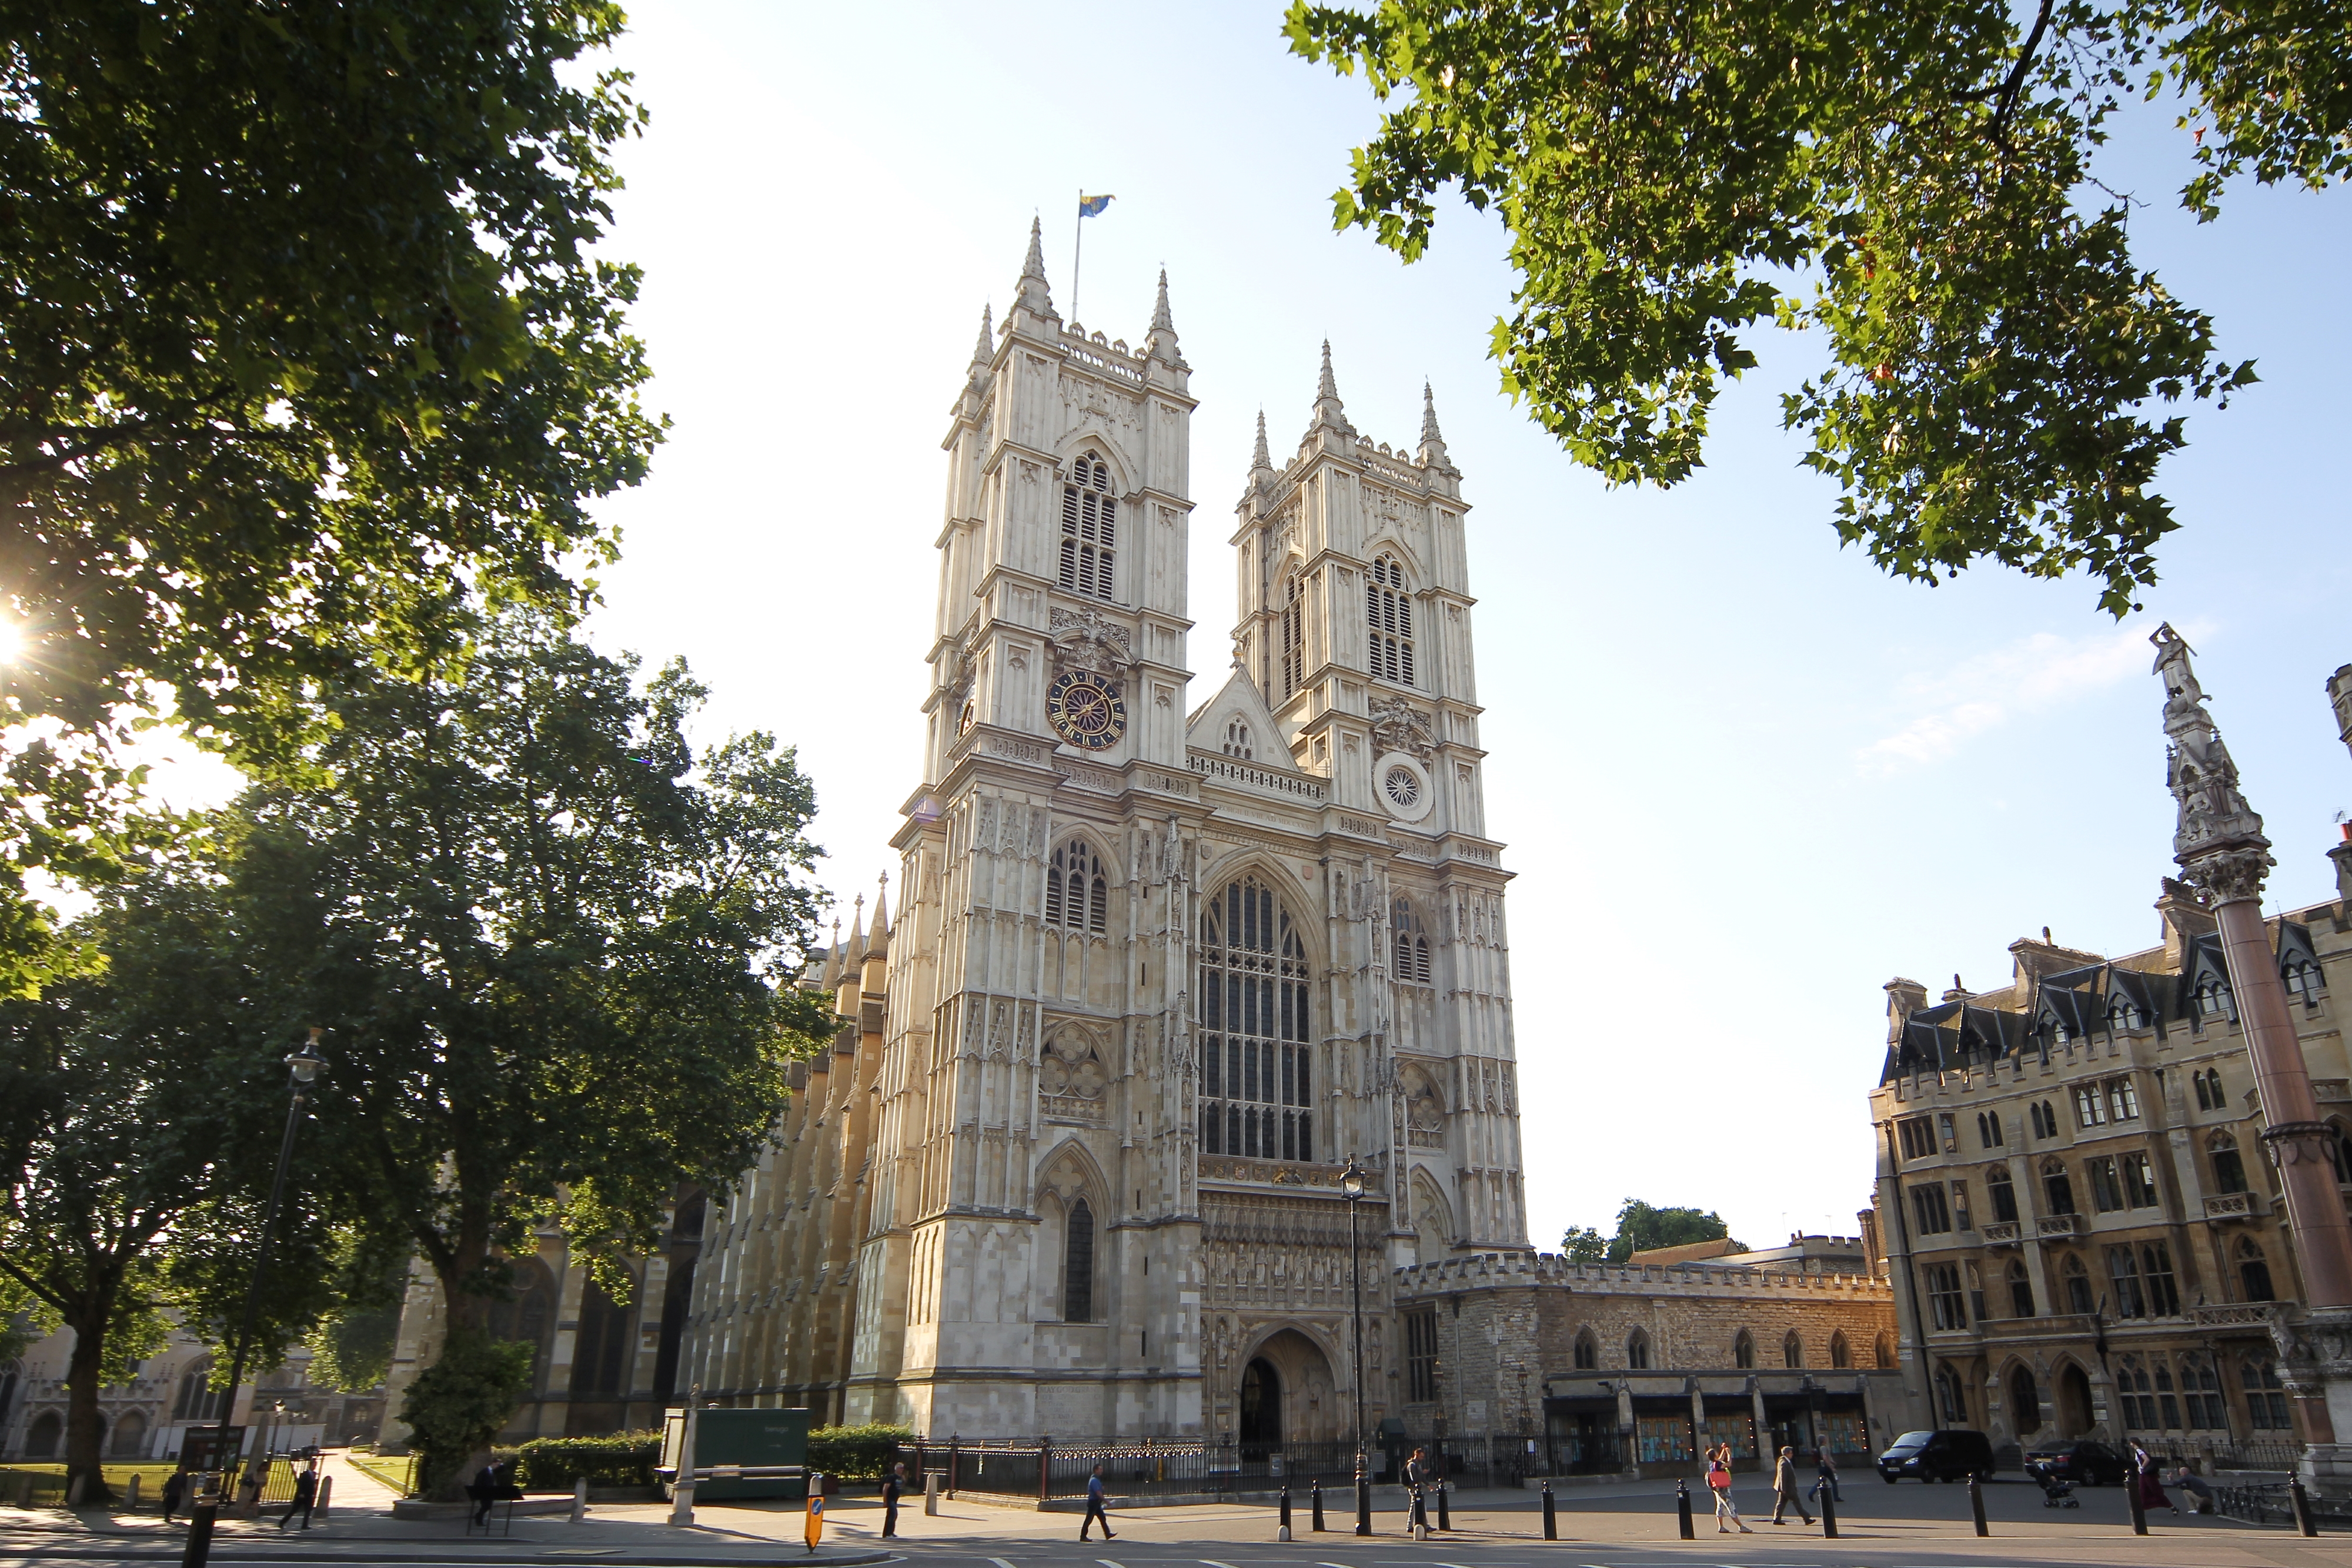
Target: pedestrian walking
1718	1480
489	1485
1825	1469
892	1485
1094	1507
1417	1475
306	1496
1784	1488
2149	1480
176	1491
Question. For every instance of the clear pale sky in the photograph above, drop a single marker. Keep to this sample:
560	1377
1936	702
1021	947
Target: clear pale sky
1744	778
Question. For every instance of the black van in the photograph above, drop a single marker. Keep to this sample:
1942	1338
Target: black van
1948	1456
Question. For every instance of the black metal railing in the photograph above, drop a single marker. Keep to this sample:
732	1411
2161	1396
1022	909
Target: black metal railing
1047	1468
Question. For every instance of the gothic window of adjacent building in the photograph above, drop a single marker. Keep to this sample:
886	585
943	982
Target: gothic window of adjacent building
1637	1350
2132	1384
2057	1188
1412	945
2001	1194
1928	1209
1951	1134
600	1354
1950	1399
2140	1181
2078	1286
1238	740
1882	1353
2200	1394
2267	1402
2255	1271
1588	1351
1840	1351
2024	1401
1792	1350
2303	979
1421	1355
2020	1290
197	1402
1389	609
1946	1304
2090	1110
2143	1281
2106	1193
1916	1135
1077	896
1743	1350
1090	528
2123	1100
2045	1119
1078	1264
2208	1085
2124	1015
1291	634
1960	1217
1255	1059
1988	1129
2213	998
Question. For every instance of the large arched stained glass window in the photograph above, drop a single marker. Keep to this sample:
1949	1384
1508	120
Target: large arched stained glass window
1254	1030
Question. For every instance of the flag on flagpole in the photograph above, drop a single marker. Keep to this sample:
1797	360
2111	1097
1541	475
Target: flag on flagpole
1092	206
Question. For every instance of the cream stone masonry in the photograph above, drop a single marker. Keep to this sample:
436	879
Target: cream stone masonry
1073	1167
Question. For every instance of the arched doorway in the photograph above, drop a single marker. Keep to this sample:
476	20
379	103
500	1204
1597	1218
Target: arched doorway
2024	1403
1260	1426
2070	1402
49	1431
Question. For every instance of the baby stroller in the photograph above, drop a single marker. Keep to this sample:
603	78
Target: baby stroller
2055	1492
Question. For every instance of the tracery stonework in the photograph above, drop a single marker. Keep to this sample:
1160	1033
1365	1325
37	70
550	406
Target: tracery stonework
1077	1164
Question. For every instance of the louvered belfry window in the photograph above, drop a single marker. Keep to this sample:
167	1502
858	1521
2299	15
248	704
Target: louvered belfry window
1090	528
1294	661
1076	895
1411	945
1389	610
1255	1074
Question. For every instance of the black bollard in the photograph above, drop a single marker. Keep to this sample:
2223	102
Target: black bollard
1363	1503
1682	1509
1416	1508
1285	1510
1829	1515
2139	1509
200	1530
2297	1499
1551	1519
1445	1514
1316	1495
1976	1505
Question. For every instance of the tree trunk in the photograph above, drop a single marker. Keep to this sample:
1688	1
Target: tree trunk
82	1435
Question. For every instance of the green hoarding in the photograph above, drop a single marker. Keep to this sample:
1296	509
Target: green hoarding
742	1438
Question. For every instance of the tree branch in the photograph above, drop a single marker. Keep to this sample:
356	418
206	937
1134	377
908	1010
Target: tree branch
2016	82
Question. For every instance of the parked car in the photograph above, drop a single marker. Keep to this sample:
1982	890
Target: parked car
2085	1464
1948	1456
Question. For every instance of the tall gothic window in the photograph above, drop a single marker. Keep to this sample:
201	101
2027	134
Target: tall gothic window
1090	528
1255	1091
1294	654
1078	1265
1390	612
1411	945
1077	896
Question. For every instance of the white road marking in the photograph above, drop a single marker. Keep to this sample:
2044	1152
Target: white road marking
1213	1562
1000	1562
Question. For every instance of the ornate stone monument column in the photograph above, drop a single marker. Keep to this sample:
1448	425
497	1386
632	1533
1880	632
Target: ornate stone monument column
2222	852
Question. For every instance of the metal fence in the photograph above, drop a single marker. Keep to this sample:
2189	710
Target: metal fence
2255	1454
1045	1469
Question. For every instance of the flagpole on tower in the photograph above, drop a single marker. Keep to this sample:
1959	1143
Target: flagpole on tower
1078	247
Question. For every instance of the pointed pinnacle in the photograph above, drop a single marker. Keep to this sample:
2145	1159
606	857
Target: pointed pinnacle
1429	431
1033	264
1326	386
980	350
881	916
1259	457
1160	321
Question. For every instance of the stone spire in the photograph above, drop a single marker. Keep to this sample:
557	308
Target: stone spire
1328	413
1032	295
1260	461
1161	342
880	938
1432	441
2218	844
986	350
857	953
833	958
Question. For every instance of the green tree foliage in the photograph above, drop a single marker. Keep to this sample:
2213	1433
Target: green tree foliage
351	1349
1642	1226
143	1097
550	943
1914	180
299	330
457	1404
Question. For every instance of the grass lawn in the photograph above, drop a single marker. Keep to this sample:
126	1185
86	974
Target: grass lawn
397	1471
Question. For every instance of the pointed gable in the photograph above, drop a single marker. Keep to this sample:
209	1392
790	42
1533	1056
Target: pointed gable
1210	729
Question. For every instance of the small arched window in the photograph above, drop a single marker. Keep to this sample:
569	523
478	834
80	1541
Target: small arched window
1078	1264
2213	999
2255	1270
1793	1349
1841	1352
1412	945
1292	636
1988	1130
1238	740
1090	528
2058	1187
2020	1290
2078	1287
2303	979
1949	1398
1588	1351
2003	1195
1637	1350
1077	897
1743	1350
2266	1404
1882	1353
197	1402
1388	608
2229	1166
2045	1119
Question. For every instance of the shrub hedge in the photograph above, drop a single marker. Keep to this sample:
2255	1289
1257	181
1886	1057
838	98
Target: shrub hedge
855	1453
623	1459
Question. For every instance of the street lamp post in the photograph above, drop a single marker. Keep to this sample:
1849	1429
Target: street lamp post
1351	1182
303	1068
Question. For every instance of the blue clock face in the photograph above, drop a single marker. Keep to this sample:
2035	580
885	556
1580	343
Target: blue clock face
1084	710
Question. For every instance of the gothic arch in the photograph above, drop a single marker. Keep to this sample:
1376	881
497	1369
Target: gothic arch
1093	436
1071	1171
1388	541
1301	901
1305	1362
1432	1217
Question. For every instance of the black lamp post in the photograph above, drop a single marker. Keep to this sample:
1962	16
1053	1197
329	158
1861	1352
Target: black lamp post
1351	1182
303	1068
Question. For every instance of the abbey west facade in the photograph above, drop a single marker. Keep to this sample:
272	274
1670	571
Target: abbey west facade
1163	962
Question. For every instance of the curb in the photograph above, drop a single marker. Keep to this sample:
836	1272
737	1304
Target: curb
535	1559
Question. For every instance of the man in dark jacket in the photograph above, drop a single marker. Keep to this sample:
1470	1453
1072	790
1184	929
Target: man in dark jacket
306	1495
1094	1507
1785	1495
176	1491
892	1484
